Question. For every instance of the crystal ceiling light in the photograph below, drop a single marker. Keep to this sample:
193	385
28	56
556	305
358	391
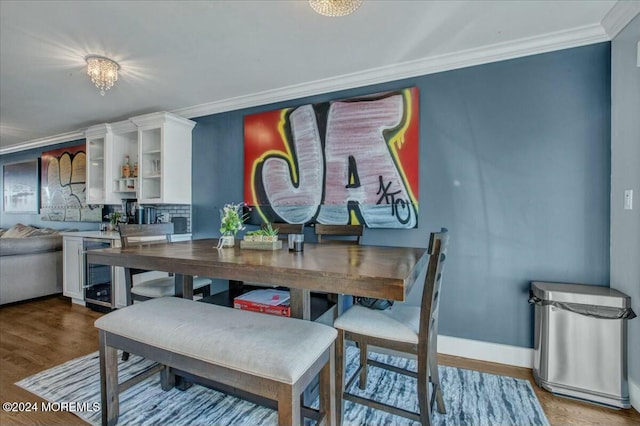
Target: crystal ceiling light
334	7
102	71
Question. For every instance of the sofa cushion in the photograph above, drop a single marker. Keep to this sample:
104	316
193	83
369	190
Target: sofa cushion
19	231
16	246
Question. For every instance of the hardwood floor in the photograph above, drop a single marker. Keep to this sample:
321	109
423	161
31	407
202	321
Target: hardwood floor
38	335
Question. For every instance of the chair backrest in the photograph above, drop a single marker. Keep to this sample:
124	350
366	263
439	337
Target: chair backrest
133	235
323	231
288	228
431	293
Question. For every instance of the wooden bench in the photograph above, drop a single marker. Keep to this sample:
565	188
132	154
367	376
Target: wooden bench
272	357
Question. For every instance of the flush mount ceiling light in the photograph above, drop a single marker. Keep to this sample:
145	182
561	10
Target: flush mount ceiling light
334	7
102	71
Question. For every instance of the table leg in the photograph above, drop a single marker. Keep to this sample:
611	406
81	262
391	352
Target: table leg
300	302
184	286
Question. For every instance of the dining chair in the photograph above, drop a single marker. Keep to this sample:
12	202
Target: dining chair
327	233
401	328
135	235
339	234
288	228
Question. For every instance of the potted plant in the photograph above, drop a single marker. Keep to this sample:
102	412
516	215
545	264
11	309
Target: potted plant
251	236
114	219
269	233
231	221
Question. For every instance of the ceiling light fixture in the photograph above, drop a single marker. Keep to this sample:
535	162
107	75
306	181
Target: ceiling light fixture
102	71
334	7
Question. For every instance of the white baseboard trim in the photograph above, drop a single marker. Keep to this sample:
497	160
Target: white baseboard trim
634	394
486	351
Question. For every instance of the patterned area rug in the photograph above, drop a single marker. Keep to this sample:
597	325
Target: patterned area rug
471	397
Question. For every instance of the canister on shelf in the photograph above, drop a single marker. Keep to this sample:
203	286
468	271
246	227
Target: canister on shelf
125	167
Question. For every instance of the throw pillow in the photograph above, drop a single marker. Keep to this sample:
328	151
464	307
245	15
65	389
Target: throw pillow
19	231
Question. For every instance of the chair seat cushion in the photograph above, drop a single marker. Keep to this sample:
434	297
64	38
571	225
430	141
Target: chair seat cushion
399	323
159	287
164	287
277	348
199	282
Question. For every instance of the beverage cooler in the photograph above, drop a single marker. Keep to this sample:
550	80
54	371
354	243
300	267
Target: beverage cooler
98	278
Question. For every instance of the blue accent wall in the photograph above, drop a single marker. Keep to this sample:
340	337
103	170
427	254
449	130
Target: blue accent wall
514	161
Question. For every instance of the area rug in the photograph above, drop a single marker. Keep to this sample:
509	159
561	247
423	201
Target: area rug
471	398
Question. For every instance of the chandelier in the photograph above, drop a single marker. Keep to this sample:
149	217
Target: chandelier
334	7
102	71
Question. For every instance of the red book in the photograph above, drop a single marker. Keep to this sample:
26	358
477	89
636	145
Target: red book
273	302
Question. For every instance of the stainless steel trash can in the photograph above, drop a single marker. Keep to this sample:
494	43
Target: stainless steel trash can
580	347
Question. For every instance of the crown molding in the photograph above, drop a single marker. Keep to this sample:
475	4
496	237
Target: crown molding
466	58
619	16
497	52
97	130
152	119
124	126
42	142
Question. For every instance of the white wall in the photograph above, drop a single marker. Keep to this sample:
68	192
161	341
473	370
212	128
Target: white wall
625	174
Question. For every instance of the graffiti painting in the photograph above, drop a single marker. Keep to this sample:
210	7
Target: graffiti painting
63	186
348	161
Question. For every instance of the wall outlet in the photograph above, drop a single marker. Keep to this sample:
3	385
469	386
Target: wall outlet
628	199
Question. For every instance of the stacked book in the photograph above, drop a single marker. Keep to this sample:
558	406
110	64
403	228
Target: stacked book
268	301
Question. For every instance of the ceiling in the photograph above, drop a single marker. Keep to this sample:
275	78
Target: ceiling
200	57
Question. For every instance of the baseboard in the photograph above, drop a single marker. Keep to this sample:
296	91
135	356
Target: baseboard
634	394
486	351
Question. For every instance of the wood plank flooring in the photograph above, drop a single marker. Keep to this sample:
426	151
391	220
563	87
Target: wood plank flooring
38	335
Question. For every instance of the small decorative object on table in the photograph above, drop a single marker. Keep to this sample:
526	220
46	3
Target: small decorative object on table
265	238
114	220
231	221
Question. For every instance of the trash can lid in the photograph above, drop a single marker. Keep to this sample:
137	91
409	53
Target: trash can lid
580	293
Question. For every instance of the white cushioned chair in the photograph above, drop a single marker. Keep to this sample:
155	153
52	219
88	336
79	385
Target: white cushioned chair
402	328
133	235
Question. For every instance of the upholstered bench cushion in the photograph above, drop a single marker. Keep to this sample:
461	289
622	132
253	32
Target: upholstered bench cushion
164	287
277	348
399	323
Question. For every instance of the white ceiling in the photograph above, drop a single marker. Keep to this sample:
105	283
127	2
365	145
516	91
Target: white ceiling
200	57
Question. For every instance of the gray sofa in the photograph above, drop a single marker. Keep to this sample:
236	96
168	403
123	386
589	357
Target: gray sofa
30	263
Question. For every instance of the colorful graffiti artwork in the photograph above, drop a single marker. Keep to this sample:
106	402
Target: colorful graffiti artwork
347	161
63	186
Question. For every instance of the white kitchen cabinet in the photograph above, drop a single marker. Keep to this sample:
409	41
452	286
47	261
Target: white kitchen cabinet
73	269
98	139
160	145
164	158
106	147
124	143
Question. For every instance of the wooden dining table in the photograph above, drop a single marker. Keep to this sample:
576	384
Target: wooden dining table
359	270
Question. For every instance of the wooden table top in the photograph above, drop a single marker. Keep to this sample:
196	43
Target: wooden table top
360	270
